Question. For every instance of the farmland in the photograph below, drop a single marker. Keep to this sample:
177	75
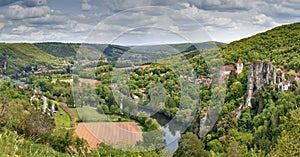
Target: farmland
109	132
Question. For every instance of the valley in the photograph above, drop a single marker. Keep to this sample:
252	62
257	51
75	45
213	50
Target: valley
71	99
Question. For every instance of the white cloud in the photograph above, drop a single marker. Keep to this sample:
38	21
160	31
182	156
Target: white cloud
86	6
207	17
18	12
32	3
22	29
81	17
226	20
263	20
1	17
1	25
75	26
48	19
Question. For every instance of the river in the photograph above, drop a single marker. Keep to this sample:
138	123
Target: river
172	134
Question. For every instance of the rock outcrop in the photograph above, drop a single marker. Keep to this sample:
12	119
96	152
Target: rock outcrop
260	74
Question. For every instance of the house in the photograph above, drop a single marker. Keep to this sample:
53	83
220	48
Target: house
227	69
203	80
238	68
284	86
295	77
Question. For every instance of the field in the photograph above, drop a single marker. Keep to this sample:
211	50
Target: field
62	119
109	132
90	114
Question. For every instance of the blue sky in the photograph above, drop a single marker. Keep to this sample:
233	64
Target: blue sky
133	22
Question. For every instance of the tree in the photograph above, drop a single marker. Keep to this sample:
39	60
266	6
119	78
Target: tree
44	85
216	146
151	124
234	150
190	145
60	143
288	144
235	92
38	126
104	108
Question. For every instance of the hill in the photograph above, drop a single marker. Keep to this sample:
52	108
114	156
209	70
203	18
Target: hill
20	55
279	45
58	49
113	52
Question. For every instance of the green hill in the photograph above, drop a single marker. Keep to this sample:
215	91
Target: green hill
58	49
113	52
20	55
280	45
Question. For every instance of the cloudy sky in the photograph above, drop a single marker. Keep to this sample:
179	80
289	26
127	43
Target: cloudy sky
141	21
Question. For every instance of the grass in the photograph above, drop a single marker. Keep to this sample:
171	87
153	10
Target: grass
62	119
76	113
15	145
90	114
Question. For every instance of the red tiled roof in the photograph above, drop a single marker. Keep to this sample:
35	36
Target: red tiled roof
228	68
239	61
292	78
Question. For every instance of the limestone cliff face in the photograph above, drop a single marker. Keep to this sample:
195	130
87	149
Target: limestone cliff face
260	74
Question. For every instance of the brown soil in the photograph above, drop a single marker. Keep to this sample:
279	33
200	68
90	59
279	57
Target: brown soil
109	132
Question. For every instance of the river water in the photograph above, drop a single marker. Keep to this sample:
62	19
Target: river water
172	135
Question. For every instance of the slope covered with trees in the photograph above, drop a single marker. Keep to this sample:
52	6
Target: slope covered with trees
58	49
20	55
280	46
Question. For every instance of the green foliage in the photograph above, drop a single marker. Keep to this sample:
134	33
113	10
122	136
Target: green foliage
44	85
288	142
61	143
107	150
279	45
15	145
58	49
22	55
190	145
38	126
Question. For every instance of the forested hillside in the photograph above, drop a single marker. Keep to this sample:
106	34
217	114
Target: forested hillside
59	49
280	45
20	55
268	126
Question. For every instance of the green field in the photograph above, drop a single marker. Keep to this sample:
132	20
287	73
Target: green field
89	114
62	119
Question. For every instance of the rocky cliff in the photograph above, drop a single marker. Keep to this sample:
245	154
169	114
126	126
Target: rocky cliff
260	74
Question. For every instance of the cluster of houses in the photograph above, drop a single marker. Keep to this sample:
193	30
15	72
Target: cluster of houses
225	70
285	85
48	71
38	97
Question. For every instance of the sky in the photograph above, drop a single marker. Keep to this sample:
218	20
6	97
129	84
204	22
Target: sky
138	22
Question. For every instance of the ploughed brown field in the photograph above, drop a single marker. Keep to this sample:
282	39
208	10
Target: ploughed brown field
109	132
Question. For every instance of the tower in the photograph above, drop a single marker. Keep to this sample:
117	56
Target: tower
239	66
